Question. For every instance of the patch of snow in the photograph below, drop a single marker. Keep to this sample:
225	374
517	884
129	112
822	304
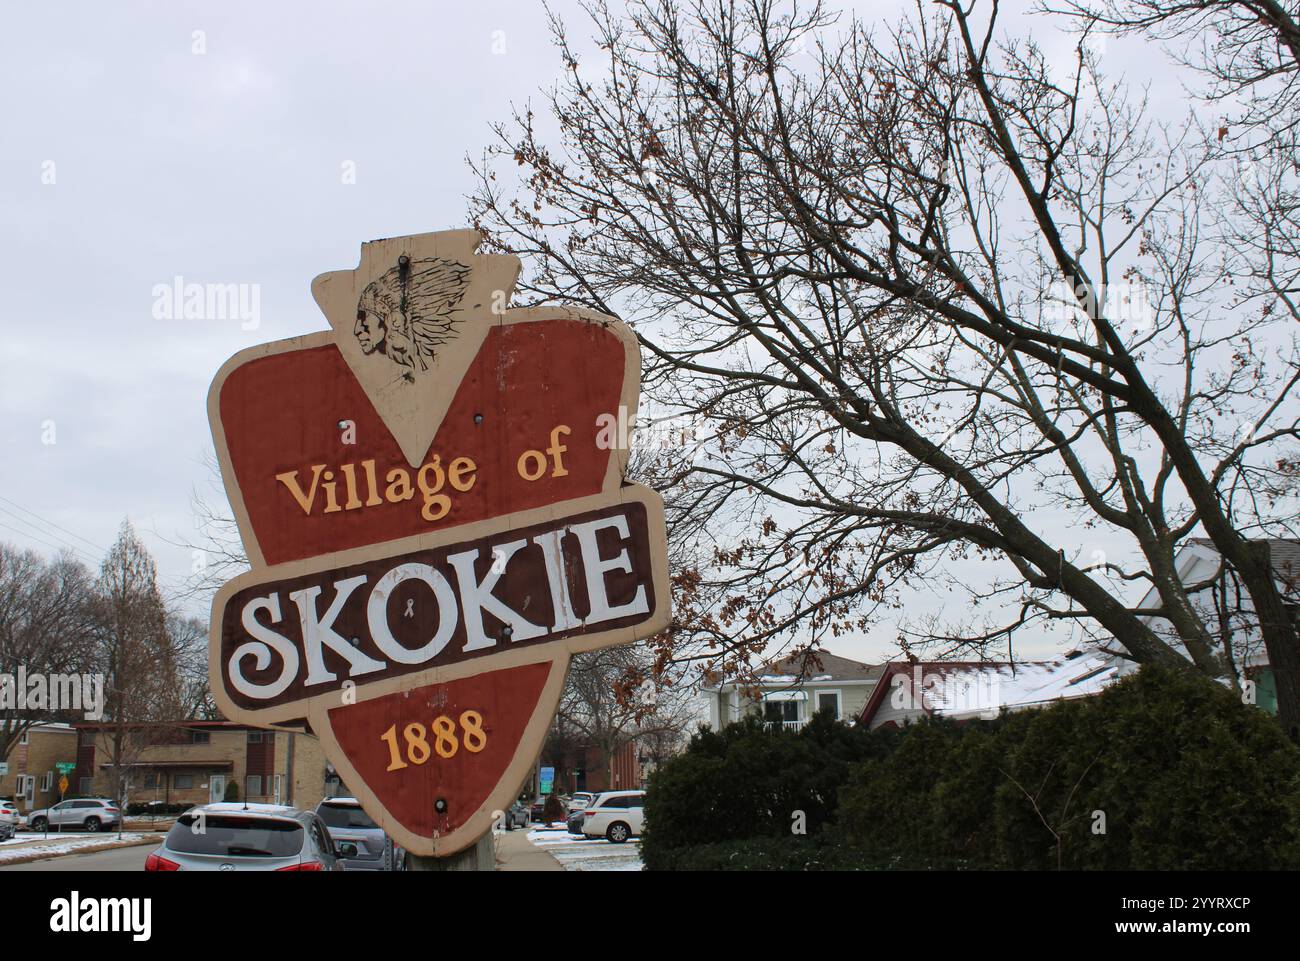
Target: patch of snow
588	854
23	846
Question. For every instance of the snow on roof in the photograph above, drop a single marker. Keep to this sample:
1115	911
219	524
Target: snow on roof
965	689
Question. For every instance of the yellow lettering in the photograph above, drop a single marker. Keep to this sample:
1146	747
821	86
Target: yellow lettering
399	486
290	480
459	470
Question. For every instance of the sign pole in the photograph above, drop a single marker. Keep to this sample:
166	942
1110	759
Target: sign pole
479	856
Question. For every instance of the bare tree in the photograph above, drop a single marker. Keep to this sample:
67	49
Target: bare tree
189	640
139	657
45	629
926	297
216	546
1248	50
613	697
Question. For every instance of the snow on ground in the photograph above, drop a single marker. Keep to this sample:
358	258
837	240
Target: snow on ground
25	845
587	854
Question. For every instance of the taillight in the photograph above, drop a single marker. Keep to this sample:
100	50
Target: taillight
588	814
156	862
304	866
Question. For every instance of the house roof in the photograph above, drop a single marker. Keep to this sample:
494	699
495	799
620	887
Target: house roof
1283	551
818	666
964	689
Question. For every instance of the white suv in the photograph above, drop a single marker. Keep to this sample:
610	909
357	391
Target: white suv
615	815
92	814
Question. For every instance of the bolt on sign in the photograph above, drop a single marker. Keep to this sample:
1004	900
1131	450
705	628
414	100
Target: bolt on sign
436	522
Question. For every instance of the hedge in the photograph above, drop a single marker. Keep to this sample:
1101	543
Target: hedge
1163	770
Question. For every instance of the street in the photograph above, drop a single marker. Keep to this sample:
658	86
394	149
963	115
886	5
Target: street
118	859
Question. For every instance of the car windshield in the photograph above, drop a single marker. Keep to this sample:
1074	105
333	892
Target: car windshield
345	816
235	836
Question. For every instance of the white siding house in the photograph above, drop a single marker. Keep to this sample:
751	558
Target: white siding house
789	691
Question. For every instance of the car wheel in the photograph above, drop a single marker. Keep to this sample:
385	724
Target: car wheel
618	832
92	824
39	824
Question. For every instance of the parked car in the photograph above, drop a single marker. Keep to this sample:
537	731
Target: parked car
233	836
615	816
536	812
348	821
581	800
575	820
9	812
90	814
516	816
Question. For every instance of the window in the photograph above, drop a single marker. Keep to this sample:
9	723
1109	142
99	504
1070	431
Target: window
26	787
151	781
83	785
87	738
183	782
22	738
47	781
250	836
345	816
254	737
777	711
200	737
320	837
253	786
829	701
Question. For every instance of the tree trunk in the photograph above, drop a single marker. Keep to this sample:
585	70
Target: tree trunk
1277	626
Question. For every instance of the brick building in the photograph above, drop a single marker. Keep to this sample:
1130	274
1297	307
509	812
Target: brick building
32	781
579	768
194	762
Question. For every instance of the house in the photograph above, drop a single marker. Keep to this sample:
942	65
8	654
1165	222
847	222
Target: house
789	691
193	762
32	778
963	690
1225	607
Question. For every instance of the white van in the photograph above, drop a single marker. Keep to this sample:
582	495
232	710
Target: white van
615	815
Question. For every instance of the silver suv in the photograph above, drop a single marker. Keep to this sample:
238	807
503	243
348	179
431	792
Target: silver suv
348	822
231	836
91	814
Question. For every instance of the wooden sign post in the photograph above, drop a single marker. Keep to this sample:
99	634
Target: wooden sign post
434	507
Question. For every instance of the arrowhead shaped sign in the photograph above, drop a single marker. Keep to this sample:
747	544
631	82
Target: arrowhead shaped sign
431	497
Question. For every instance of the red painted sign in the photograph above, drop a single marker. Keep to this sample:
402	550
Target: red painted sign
431	496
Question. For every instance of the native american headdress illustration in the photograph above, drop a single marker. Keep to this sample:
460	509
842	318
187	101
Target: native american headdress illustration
411	310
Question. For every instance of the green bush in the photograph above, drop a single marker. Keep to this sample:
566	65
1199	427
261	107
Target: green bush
819	852
232	792
1183	774
746	781
136	808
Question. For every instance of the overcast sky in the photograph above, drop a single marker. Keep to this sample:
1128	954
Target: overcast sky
212	142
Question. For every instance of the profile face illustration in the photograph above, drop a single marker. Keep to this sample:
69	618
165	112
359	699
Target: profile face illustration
370	330
409	311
